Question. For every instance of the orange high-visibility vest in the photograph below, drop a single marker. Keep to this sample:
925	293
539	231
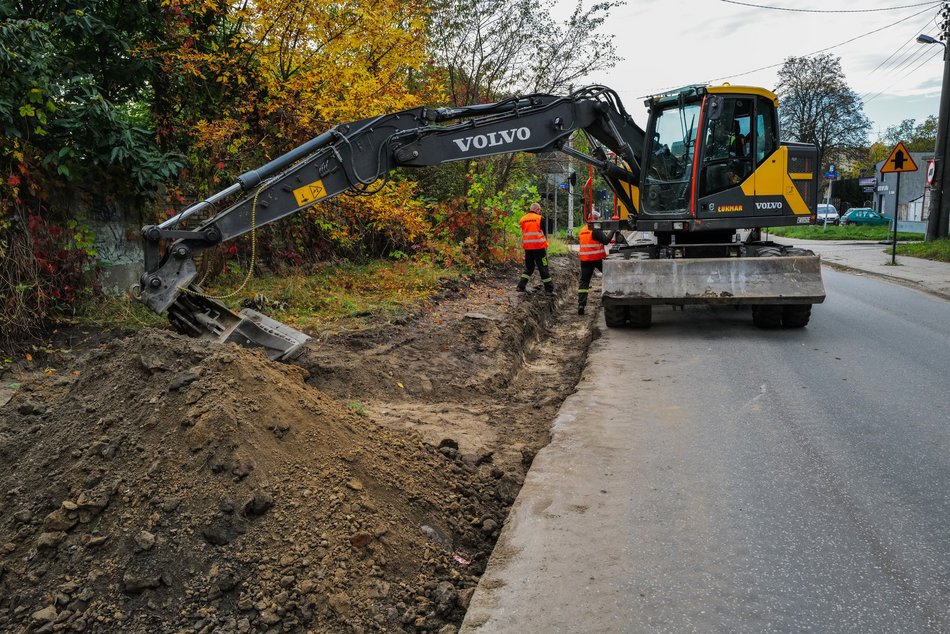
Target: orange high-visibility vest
531	235
591	250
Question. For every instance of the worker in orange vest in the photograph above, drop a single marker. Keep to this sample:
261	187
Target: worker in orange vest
592	256
535	243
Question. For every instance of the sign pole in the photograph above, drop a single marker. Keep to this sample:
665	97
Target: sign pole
897	199
900	160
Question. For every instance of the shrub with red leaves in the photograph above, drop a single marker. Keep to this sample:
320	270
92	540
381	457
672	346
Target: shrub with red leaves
45	270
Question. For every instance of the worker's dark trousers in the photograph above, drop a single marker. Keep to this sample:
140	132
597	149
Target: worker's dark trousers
539	258
587	273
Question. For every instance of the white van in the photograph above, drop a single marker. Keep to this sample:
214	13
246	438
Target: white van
827	213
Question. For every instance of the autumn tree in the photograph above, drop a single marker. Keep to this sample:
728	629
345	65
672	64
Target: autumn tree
491	49
916	137
75	132
72	97
817	106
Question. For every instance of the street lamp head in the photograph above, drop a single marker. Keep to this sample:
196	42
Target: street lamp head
926	39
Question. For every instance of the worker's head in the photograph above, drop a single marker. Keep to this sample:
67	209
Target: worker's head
535	207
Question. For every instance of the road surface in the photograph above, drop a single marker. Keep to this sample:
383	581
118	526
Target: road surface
711	477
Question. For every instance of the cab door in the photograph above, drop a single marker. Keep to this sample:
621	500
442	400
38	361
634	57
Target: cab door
726	177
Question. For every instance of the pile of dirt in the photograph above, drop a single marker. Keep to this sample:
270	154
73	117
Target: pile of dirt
161	483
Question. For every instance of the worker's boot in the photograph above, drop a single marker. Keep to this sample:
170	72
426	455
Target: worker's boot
549	289
523	284
581	304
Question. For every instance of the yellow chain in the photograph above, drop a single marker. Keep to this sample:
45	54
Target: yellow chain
250	270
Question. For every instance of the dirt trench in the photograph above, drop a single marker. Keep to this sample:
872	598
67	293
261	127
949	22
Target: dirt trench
159	483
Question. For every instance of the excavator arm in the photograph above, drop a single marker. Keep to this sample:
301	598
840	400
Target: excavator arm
352	158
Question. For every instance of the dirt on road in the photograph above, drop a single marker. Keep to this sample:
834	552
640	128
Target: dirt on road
156	483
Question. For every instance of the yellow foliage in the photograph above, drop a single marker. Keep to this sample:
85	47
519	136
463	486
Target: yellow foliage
392	215
290	70
327	62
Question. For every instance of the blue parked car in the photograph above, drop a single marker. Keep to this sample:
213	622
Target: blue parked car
863	216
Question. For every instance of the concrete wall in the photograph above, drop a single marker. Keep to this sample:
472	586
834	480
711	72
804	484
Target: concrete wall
120	254
116	227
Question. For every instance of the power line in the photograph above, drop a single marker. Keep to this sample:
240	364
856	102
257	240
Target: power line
930	5
905	60
762	6
913	57
910	40
878	94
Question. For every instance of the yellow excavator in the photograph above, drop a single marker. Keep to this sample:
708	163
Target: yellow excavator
707	174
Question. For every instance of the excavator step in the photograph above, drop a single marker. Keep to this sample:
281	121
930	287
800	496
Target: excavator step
742	280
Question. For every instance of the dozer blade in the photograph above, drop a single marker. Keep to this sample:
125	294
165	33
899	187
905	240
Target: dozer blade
747	280
207	318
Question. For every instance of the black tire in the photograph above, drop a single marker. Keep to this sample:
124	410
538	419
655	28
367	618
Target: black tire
640	316
767	316
615	316
769	252
796	315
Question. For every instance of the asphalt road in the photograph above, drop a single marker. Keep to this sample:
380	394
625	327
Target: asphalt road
749	481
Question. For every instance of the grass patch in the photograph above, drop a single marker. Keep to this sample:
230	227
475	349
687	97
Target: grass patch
120	312
836	232
938	250
342	296
337	297
357	408
558	246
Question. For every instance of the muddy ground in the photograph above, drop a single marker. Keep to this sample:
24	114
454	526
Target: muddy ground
155	483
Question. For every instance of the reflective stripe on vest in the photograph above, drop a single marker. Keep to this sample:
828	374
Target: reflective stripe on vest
531	235
590	249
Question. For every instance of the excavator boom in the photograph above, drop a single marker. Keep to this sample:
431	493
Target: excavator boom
354	157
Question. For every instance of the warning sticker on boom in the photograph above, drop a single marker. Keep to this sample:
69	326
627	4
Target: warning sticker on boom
310	193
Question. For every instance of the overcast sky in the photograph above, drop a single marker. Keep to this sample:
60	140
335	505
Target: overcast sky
670	43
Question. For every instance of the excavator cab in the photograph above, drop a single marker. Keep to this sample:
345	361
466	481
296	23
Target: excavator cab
714	162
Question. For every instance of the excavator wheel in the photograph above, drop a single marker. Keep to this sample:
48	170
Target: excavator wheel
769	252
640	316
767	316
615	316
796	315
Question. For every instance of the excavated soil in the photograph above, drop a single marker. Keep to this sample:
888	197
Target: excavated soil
156	483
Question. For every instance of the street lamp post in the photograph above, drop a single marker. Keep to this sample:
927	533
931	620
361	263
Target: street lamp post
940	206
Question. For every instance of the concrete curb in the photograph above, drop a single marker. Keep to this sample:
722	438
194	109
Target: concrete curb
890	278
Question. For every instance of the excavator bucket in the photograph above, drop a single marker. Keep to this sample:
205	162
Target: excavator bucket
747	280
209	319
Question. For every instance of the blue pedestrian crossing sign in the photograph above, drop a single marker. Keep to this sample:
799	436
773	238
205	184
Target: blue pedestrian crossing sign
898	161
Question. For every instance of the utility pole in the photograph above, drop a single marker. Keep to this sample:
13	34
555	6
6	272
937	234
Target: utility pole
937	224
570	193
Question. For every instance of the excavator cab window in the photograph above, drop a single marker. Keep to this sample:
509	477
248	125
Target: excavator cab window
766	134
669	163
727	159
